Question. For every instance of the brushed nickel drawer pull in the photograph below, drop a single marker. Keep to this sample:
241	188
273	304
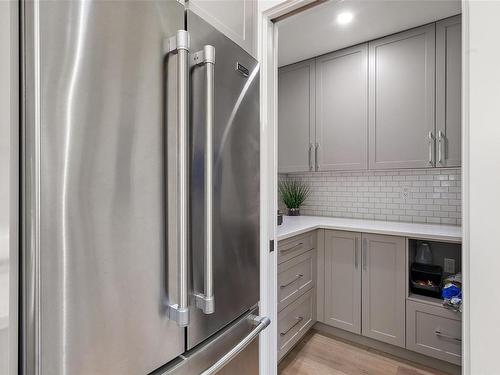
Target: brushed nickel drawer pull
310	157
430	136
356	253
299	319
444	335
440	146
292	248
365	255
297	277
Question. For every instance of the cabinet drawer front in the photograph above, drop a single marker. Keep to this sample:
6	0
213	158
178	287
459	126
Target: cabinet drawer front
434	331
295	277
294	321
291	247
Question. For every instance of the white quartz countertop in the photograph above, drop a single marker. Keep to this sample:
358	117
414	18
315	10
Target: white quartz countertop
294	225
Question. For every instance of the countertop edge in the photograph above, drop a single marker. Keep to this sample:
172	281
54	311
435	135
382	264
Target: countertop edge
389	232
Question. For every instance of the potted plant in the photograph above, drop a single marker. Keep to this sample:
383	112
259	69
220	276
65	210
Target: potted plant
293	194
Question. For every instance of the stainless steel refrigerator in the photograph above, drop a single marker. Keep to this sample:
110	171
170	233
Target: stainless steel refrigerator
140	192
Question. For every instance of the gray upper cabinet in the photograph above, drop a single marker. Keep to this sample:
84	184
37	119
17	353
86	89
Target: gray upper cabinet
343	280
448	92
296	117
391	103
237	19
342	109
383	288
402	99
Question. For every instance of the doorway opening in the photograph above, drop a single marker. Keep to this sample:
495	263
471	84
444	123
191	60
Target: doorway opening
364	99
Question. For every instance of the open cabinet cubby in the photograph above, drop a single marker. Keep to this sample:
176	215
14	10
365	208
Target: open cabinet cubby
442	254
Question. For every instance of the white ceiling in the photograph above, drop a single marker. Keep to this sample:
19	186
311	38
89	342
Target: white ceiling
316	31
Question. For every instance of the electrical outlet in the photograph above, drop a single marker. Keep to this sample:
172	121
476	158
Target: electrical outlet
405	193
449	265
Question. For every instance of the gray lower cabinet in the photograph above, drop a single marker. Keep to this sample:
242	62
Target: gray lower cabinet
297	265
296	117
295	277
434	331
364	285
383	288
342	109
402	99
294	321
342	280
448	92
294	246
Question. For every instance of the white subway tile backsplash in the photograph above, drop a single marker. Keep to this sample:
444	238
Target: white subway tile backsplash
433	195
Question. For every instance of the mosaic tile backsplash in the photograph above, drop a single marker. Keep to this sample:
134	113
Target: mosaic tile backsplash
416	195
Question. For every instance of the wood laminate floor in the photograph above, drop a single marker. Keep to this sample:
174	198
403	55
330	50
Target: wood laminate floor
318	354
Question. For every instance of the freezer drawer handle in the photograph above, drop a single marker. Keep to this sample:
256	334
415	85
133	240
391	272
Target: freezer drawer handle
298	320
179	45
260	324
206	57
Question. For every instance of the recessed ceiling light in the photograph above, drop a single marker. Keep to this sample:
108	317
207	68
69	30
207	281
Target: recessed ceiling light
344	18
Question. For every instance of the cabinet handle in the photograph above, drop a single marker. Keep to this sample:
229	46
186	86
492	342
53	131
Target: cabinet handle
299	319
440	146
356	254
316	157
310	157
290	249
365	250
297	277
431	142
444	335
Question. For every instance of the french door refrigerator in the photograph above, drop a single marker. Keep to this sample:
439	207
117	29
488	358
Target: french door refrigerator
140	192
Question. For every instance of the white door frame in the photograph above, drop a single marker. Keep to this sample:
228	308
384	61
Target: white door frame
268	57
466	368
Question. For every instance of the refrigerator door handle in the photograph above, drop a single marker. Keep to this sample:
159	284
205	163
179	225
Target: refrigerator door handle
206	57
179	45
260	324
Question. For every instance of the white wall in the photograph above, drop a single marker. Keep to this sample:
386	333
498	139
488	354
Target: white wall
482	192
8	185
5	120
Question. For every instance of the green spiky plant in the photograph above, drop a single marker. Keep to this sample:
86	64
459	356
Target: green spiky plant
293	194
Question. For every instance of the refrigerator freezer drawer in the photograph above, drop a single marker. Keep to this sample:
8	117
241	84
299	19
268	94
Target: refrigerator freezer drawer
234	348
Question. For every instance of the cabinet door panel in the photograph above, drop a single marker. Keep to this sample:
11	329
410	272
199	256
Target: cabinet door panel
401	99
343	280
296	98
237	19
342	109
449	91
383	288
